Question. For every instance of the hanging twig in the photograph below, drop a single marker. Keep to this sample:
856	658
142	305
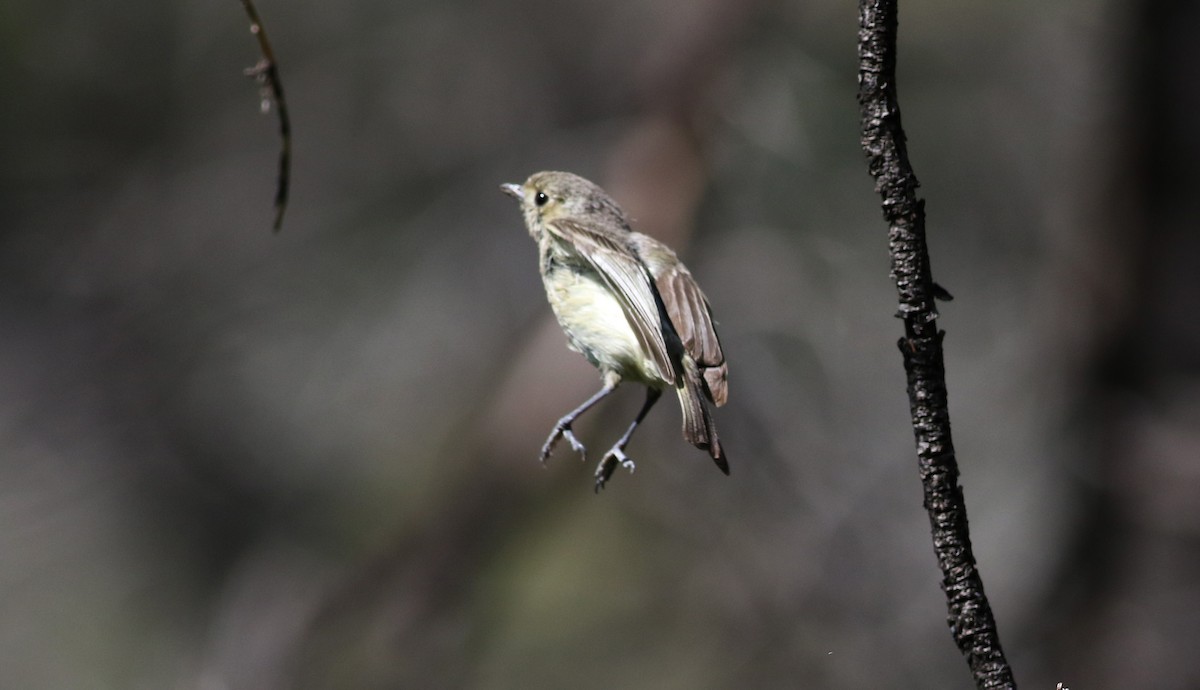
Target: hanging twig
970	619
267	74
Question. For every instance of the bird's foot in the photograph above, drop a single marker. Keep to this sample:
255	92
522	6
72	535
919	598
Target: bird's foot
615	455
562	430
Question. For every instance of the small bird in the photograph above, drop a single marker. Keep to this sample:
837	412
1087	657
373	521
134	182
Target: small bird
628	305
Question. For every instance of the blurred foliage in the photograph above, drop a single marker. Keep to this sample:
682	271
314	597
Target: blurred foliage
232	459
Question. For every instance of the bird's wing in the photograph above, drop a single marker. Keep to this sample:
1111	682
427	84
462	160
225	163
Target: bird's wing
689	312
629	280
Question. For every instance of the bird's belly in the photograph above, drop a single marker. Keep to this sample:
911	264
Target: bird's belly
596	325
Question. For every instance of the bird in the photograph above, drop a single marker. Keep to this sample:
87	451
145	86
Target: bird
627	304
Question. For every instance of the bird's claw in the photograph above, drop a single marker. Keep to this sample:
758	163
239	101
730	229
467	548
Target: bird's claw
616	454
608	464
562	431
575	444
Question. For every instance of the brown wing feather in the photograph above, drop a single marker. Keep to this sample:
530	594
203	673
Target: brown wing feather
690	314
630	281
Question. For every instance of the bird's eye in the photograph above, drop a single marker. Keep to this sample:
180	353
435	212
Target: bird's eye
541	199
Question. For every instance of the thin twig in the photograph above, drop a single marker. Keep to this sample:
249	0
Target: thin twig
267	74
971	622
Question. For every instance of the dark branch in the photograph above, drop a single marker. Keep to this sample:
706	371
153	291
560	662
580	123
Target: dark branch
971	622
267	73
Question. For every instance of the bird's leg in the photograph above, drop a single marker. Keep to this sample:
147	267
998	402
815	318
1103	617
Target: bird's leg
563	428
616	454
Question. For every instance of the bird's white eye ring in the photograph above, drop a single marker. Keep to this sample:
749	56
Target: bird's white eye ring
540	199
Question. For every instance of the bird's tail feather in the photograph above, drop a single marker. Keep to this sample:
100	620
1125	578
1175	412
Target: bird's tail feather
699	429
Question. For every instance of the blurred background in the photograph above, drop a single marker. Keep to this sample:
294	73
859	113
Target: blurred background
233	459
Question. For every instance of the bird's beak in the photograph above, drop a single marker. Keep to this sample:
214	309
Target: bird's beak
513	190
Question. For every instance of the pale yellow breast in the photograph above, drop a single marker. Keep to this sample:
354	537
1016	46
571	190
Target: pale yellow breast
596	325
